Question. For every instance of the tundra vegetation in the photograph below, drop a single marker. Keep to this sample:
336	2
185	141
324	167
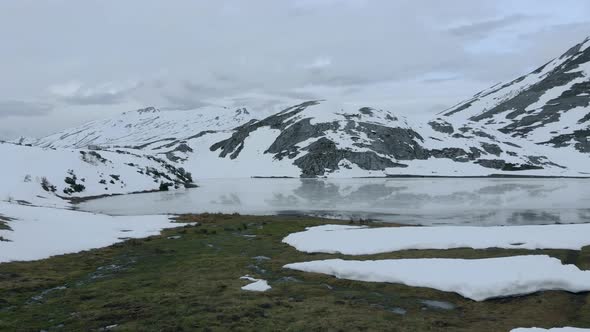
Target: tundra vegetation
188	279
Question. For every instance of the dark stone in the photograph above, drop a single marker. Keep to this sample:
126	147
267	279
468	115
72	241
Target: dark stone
481	133
297	133
442	126
324	155
492	163
400	143
366	110
475	152
512	144
491	148
586	118
455	154
581	137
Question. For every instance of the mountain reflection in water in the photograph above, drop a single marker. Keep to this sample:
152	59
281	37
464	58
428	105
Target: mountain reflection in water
424	201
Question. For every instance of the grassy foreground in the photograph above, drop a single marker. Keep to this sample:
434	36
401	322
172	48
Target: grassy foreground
187	279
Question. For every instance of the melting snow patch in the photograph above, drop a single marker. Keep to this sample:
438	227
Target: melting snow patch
399	311
358	240
40	232
476	279
258	285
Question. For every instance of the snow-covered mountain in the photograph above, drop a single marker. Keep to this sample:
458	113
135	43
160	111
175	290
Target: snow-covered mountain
549	106
41	176
323	138
537	124
314	138
143	128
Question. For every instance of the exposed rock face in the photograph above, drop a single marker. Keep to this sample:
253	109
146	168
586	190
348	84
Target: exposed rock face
580	137
504	166
289	137
324	155
492	163
491	148
400	143
235	143
367	138
442	126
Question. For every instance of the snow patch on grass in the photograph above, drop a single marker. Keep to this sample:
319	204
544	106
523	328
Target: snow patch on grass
39	232
358	240
258	285
476	279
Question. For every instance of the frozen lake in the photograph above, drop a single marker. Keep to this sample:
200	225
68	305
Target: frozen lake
424	201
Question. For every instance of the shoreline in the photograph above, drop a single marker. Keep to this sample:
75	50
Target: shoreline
78	200
401	176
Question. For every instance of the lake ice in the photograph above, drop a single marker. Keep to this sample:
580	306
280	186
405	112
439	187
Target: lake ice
425	201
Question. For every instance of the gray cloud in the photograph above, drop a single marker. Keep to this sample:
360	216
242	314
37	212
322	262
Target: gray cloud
21	108
179	102
483	28
552	37
96	99
440	79
299	95
201	90
104	94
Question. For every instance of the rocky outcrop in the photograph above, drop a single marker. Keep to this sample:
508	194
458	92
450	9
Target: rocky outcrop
367	138
442	126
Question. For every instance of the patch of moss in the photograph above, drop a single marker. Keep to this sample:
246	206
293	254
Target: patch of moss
187	279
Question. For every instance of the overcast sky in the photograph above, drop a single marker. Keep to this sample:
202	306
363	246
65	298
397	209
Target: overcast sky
64	62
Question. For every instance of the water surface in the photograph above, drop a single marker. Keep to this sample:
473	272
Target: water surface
425	201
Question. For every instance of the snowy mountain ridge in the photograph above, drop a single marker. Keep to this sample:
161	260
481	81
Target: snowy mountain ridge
535	125
146	126
548	106
311	139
